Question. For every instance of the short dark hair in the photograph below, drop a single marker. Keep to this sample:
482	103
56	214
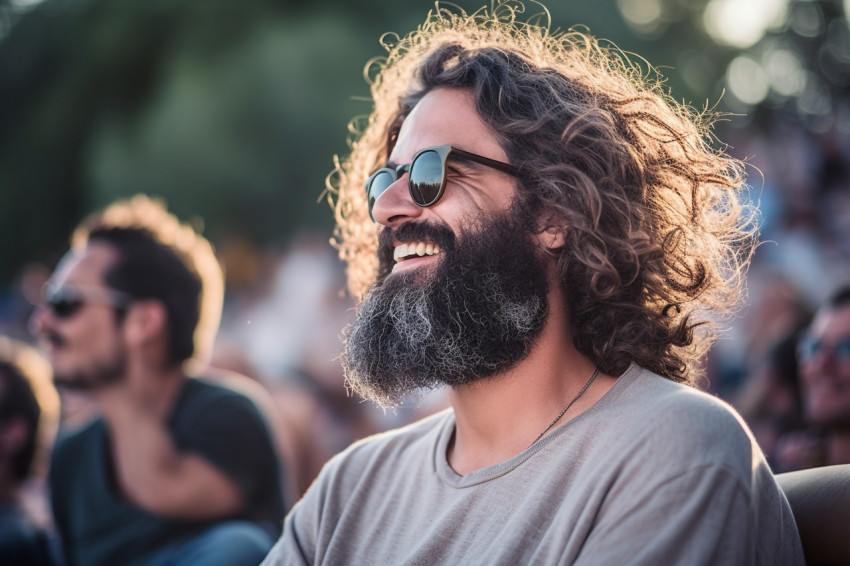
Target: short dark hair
27	392
160	258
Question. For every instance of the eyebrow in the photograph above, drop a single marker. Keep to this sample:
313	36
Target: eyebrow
390	164
456	157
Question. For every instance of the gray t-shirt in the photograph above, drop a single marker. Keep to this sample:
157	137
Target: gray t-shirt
653	473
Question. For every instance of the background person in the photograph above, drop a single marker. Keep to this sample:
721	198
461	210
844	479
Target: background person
823	354
177	470
29	415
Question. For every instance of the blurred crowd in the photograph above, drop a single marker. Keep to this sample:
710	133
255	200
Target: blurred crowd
801	184
784	362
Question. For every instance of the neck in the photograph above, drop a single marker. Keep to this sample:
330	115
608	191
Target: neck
142	389
500	417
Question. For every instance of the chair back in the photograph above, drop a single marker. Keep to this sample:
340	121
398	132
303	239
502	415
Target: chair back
820	500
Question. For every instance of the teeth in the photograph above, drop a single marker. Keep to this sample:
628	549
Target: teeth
420	249
399	252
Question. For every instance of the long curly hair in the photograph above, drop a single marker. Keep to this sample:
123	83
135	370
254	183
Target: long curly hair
658	235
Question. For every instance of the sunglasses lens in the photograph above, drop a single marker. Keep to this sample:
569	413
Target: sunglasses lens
842	350
64	307
807	348
426	178
378	183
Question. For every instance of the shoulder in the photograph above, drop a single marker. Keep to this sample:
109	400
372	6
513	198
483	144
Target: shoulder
70	441
385	452
376	469
660	401
202	396
678	421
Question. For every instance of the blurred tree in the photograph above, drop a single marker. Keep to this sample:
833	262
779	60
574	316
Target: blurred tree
232	109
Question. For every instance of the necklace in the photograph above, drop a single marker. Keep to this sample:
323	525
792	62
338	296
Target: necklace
567	408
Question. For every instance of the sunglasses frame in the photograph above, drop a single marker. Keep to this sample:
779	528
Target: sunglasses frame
809	347
444	152
74	298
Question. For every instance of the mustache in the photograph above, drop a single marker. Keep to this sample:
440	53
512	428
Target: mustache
55	339
411	232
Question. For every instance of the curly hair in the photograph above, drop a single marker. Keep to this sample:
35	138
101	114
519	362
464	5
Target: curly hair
658	235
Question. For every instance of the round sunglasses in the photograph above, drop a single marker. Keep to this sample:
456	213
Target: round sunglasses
809	347
65	302
427	174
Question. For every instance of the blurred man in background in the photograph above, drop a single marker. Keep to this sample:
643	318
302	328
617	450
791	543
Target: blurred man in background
824	359
177	470
29	414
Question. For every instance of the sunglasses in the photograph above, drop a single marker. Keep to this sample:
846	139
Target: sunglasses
427	174
810	347
65	302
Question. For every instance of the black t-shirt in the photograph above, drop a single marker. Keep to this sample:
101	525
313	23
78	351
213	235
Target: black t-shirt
22	542
99	526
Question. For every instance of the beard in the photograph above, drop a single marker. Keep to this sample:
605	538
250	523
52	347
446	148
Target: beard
473	316
99	374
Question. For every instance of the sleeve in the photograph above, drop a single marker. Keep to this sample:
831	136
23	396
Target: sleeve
290	549
700	516
312	520
232	435
299	543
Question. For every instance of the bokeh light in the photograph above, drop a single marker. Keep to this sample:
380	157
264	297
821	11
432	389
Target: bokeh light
741	24
807	19
644	16
785	72
747	80
815	99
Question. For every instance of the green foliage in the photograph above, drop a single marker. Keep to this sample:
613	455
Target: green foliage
229	109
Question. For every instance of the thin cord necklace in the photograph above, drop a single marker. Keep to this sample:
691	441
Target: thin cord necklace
567	408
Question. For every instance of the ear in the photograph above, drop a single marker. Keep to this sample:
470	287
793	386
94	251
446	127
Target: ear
553	234
146	320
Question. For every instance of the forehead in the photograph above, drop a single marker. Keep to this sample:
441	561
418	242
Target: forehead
85	266
446	116
832	322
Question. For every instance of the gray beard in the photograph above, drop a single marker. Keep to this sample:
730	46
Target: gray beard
473	317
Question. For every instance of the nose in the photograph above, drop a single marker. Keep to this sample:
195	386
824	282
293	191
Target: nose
39	321
395	206
822	363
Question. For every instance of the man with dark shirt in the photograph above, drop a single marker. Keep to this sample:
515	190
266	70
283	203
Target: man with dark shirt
176	469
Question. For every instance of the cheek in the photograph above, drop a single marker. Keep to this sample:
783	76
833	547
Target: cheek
96	334
807	374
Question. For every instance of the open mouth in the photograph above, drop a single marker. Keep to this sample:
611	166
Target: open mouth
413	250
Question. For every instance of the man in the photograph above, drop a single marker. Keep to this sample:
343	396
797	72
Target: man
29	414
824	357
177	470
551	233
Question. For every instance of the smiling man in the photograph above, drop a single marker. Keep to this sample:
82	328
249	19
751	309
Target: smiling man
177	469
552	238
824	357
